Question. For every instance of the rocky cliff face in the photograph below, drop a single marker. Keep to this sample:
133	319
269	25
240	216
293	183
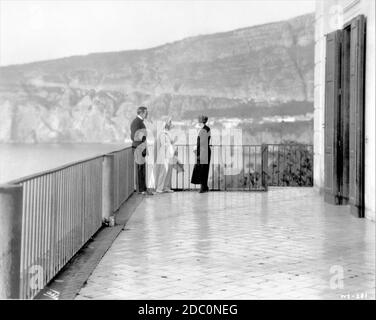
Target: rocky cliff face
93	98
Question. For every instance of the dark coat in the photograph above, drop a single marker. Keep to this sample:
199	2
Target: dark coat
138	134
203	154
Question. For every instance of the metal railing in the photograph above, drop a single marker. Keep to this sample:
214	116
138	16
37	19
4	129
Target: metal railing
61	210
290	165
123	174
64	207
249	167
232	168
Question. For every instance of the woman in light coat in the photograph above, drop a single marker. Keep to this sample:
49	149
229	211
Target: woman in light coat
165	157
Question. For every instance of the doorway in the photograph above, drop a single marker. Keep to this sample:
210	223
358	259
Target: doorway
344	116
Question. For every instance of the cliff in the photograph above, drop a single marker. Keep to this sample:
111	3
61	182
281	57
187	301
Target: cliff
256	73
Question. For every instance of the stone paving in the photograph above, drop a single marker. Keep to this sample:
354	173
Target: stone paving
282	244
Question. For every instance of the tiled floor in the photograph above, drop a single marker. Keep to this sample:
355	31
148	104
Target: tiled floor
283	244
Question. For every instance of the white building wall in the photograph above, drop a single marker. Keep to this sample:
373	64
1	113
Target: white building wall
326	22
370	114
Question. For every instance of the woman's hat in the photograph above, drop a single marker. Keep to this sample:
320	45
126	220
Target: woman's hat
202	119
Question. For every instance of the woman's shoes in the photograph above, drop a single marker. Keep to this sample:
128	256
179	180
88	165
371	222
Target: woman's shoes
165	191
147	193
204	189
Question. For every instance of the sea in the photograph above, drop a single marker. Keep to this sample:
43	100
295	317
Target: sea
19	160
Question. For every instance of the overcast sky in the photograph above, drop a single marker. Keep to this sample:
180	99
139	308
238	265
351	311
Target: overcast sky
45	29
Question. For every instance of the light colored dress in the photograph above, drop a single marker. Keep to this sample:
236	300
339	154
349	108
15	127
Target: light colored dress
164	162
151	155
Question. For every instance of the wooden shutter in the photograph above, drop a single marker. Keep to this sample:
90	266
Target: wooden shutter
356	134
332	105
345	114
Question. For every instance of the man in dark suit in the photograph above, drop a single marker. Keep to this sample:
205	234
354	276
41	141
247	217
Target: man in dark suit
139	148
203	154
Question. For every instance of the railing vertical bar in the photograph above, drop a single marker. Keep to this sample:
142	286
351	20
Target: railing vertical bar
225	167
65	213
213	170
74	192
73	216
41	221
35	195
69	220
74	224
49	239
300	165
63	216
91	212
56	220
256	154
38	222
43	224
33	228
60	221
176	176
273	167
31	233
88	208
52	226
219	167
249	168
82	179
278	166
24	240
44	228
27	237
78	207
68	214
63	200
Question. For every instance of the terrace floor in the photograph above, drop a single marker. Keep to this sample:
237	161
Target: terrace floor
282	244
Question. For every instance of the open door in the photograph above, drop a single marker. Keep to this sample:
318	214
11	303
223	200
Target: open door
344	116
332	115
356	116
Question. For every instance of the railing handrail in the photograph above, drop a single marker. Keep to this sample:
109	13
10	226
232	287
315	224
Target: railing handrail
222	145
250	145
70	164
62	167
290	144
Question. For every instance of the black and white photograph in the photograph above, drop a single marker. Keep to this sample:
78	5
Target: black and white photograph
187	150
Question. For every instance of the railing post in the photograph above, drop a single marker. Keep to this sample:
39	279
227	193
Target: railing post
264	165
108	187
10	240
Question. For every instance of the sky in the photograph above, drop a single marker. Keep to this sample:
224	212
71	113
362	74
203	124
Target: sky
48	29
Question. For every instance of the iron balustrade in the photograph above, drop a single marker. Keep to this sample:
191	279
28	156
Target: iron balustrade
123	176
62	210
64	207
232	168
249	167
290	165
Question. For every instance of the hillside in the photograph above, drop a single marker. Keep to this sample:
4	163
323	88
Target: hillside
261	73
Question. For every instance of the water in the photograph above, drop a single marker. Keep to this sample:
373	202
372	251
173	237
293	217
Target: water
20	160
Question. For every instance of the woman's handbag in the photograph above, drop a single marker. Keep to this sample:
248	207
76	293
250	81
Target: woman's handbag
177	165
